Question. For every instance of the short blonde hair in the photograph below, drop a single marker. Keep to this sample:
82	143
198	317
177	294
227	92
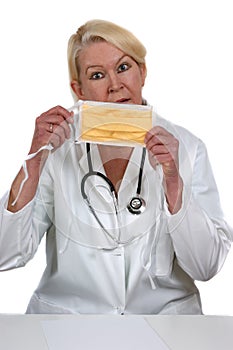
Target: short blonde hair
101	30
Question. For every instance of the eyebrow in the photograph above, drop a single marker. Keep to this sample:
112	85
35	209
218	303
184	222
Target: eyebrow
99	66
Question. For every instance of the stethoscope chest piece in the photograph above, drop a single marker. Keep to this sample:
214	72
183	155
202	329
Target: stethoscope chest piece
136	205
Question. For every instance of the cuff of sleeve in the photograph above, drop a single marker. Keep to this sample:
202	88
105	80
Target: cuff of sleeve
15	234
6	212
174	220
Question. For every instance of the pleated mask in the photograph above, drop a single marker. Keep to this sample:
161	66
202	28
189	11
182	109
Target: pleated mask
113	123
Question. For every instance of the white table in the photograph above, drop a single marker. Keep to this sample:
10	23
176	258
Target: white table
24	332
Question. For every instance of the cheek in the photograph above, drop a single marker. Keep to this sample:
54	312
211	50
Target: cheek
136	81
95	92
136	86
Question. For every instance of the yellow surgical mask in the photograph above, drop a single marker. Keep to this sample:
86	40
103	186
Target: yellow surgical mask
113	123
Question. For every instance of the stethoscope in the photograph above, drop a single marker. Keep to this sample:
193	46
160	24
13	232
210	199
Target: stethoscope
136	204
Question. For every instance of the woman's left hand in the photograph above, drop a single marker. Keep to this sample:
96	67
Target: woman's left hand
163	149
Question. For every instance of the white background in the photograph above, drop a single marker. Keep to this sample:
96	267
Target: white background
190	82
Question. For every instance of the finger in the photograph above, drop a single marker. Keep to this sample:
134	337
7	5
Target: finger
164	158
158	144
61	133
55	140
158	137
156	131
56	116
158	149
59	111
58	126
46	129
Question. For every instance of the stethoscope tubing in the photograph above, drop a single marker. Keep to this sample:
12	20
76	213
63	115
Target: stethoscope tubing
91	173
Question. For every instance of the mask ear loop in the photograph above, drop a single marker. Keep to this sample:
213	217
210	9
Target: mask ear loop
30	156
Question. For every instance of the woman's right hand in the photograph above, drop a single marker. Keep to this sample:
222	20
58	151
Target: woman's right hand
52	127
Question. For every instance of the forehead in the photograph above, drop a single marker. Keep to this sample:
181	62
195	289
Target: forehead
100	53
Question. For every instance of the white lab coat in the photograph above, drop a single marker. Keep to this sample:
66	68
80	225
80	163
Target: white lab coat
86	272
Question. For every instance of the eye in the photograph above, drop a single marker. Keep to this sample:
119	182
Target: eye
123	67
96	76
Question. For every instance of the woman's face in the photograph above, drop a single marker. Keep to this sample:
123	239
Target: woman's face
107	74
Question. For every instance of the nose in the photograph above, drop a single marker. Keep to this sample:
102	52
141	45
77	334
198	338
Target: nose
115	83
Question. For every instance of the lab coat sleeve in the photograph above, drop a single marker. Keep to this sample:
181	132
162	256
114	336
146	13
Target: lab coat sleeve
201	237
21	232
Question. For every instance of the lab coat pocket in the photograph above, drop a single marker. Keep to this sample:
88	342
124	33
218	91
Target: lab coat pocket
38	305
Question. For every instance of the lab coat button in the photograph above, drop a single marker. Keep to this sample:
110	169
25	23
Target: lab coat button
118	252
118	310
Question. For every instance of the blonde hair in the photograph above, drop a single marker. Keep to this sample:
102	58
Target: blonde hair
101	30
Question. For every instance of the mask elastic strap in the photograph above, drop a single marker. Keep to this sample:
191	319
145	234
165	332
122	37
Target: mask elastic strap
30	156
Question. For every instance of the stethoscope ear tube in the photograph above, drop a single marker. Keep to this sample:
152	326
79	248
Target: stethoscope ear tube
91	172
95	173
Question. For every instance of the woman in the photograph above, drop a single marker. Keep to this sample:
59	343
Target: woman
114	262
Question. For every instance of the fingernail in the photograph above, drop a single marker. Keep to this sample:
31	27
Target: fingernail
70	119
